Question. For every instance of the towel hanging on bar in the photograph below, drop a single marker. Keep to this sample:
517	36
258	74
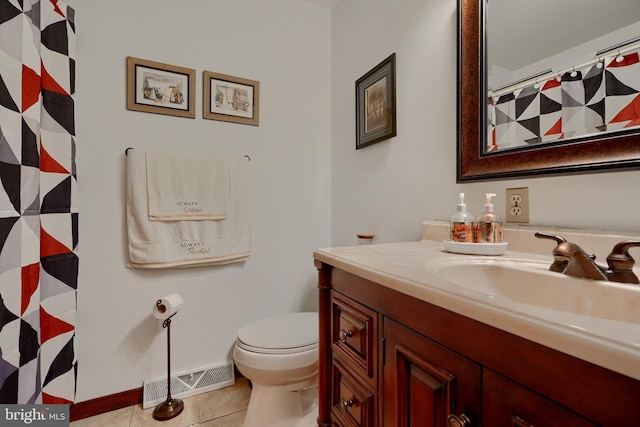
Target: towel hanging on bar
186	186
163	244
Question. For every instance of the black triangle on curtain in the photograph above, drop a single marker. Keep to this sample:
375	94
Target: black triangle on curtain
5	97
616	87
11	179
62	363
58	199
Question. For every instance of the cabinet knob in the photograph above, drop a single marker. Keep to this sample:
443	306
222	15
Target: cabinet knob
345	404
458	421
343	335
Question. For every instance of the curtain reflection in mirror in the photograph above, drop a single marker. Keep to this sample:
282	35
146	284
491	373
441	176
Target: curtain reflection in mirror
600	97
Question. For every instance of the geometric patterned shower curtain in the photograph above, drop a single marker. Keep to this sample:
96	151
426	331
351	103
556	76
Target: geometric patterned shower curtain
38	203
600	97
623	91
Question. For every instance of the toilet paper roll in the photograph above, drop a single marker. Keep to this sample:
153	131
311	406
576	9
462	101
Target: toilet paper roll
167	306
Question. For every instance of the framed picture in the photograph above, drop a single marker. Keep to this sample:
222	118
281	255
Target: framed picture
231	99
376	104
154	87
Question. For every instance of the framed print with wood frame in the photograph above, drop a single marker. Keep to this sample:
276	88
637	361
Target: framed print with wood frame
231	99
376	104
159	88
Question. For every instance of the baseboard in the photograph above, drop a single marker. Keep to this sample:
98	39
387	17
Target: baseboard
109	403
103	404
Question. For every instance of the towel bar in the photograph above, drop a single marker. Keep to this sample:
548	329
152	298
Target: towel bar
126	152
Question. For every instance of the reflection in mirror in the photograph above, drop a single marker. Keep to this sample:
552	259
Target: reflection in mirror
612	149
555	76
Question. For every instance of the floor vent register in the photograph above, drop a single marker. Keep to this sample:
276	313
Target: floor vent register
187	384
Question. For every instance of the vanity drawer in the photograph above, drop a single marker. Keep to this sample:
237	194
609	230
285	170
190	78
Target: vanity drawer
354	333
352	403
505	403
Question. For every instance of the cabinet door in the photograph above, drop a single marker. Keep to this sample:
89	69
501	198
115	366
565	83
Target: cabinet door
424	383
508	404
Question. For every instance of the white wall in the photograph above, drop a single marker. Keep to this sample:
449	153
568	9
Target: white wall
305	188
390	187
284	44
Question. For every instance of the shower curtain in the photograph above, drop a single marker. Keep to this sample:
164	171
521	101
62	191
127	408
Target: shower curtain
38	203
622	81
603	96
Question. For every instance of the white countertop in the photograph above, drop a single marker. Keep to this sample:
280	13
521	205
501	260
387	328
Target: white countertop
403	267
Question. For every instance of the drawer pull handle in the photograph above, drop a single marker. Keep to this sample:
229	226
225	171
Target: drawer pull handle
344	335
458	421
345	404
519	422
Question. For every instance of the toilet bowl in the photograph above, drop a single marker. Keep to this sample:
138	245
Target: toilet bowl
279	355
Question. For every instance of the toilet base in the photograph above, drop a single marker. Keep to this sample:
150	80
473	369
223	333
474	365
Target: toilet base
276	406
309	420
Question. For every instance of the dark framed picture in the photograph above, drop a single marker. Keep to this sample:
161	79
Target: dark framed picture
376	104
231	99
159	88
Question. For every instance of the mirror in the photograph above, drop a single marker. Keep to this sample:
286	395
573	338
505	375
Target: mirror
580	153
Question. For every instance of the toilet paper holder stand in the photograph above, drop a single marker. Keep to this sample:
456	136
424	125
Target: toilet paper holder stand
170	408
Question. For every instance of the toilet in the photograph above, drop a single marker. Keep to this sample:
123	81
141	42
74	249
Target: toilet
279	355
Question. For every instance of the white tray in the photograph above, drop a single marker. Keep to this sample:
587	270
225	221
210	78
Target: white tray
475	248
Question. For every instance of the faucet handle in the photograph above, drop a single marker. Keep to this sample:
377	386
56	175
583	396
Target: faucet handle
560	255
543	235
621	263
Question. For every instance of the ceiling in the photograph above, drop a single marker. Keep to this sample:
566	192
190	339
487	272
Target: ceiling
522	32
534	30
329	4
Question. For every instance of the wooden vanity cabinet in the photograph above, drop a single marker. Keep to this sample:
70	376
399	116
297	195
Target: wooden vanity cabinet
388	359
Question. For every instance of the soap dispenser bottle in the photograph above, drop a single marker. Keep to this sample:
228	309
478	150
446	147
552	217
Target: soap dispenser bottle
461	225
489	225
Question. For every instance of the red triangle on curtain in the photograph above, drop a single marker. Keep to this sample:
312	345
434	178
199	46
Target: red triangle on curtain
556	128
49	83
49	164
30	87
51	326
550	84
30	280
56	8
627	60
630	112
50	246
49	399
494	144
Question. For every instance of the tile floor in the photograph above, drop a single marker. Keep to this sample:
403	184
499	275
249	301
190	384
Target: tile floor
219	408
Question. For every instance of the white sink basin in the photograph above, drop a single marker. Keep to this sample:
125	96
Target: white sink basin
531	282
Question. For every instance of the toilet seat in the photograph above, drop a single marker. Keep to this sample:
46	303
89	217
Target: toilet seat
276	350
284	334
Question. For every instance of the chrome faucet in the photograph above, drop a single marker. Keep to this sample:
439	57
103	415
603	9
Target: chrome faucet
570	259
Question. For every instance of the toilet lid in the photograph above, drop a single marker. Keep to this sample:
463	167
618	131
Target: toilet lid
287	331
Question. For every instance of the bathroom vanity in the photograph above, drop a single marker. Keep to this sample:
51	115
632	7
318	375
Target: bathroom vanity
403	344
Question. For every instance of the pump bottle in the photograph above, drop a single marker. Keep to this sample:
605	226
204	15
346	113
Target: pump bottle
461	224
489	225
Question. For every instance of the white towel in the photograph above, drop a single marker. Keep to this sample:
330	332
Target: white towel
187	186
162	244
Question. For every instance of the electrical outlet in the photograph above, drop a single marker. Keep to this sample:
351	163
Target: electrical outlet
518	205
